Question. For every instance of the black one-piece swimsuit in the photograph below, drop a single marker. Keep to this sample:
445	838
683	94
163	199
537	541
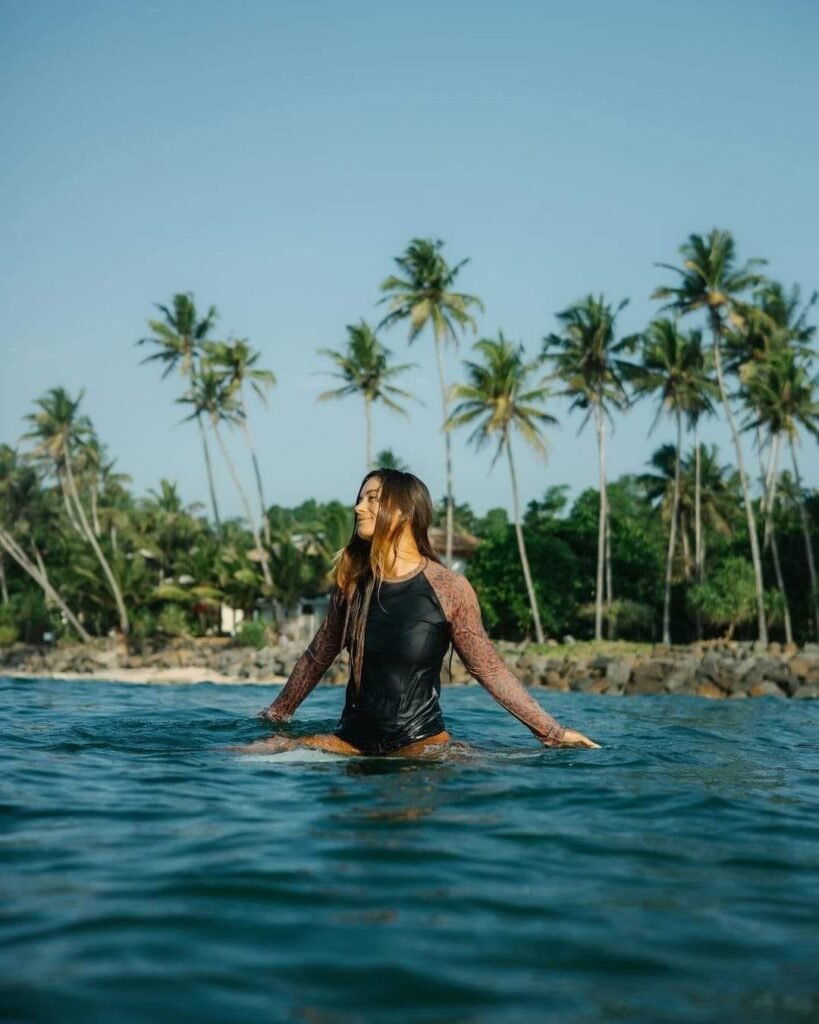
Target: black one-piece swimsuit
405	642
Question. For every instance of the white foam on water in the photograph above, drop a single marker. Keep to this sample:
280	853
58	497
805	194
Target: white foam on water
299	755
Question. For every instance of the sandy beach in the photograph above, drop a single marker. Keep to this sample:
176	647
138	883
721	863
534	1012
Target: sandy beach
145	676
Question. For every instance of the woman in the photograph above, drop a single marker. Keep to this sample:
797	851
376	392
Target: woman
397	608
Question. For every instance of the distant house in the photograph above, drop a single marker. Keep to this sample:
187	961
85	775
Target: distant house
305	617
464	546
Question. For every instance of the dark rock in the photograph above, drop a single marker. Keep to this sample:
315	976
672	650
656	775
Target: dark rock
680	679
618	673
766	689
555	681
645	680
710	690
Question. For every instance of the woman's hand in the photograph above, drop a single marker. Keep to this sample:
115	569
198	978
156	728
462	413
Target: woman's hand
572	738
269	715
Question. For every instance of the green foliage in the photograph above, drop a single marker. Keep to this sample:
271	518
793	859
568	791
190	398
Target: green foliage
143	624
251	634
495	572
8	635
728	598
172	621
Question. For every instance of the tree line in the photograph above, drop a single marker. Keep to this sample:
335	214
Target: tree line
72	537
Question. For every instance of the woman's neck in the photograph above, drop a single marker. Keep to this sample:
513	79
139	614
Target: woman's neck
406	557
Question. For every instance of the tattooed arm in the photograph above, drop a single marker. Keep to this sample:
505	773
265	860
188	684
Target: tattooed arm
311	666
485	664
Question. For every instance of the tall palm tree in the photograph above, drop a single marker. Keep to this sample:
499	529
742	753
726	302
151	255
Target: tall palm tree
364	367
237	361
178	338
776	317
502	394
781	397
57	431
672	368
387	459
587	360
717	497
711	280
20	510
209	395
423	293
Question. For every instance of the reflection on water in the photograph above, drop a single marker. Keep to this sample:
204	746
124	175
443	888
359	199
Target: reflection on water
152	874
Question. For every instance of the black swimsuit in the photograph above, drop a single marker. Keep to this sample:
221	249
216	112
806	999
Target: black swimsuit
406	639
410	624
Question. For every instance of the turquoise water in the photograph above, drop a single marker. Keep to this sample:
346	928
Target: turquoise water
150	874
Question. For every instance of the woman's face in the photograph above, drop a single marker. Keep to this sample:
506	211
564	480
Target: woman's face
366	508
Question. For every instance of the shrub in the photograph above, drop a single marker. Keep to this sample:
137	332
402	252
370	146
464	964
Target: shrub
172	621
728	598
251	634
8	635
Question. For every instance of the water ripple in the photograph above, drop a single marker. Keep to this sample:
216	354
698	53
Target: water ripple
150	873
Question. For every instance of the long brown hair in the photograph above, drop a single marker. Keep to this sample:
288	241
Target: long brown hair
361	565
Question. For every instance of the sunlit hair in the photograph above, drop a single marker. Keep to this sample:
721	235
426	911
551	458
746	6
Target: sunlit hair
362	564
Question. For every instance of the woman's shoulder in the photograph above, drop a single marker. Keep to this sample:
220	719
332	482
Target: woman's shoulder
451	587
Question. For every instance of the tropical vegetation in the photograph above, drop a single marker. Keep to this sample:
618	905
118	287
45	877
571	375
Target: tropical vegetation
692	544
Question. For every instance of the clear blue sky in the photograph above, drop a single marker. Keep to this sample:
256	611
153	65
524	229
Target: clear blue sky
272	157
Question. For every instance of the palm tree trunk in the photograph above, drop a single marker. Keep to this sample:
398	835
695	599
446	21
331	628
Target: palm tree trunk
524	560
368	413
4	589
209	468
95	518
699	550
257	474
803	515
610	623
450	508
770	531
92	540
716	328
9	544
686	546
765	477
69	511
672	536
243	497
601	523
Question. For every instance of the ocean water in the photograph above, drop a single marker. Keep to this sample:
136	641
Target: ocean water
149	873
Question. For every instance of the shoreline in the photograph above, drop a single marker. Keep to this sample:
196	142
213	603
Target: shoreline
146	677
717	670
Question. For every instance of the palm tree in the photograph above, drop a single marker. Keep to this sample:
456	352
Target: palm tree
672	367
501	394
209	395
20	509
422	293
237	361
179	337
387	459
710	280
58	430
717	496
364	367
169	524
775	318
781	398
587	360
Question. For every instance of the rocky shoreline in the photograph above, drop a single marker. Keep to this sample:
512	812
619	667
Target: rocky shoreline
715	669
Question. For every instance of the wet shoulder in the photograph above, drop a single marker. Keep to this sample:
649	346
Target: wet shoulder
451	588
